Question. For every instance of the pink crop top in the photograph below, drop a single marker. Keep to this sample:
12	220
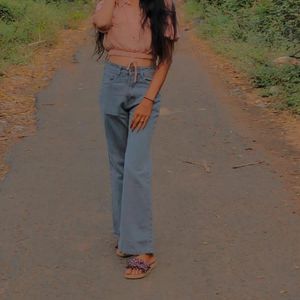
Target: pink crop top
126	37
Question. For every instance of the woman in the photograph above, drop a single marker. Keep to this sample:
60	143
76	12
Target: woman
138	36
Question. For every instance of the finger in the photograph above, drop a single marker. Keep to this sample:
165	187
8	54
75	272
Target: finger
140	124
136	122
133	121
145	122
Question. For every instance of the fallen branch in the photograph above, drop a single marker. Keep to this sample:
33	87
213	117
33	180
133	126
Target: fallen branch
37	43
190	162
249	164
202	164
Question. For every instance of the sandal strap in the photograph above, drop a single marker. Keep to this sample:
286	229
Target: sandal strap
138	264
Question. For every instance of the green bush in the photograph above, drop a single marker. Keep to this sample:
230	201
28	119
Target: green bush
28	21
254	33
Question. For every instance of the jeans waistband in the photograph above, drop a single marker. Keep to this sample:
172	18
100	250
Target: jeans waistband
132	66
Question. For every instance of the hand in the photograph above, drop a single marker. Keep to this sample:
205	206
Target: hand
99	5
141	115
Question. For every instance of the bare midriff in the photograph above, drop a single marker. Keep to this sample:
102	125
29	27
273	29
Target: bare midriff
125	61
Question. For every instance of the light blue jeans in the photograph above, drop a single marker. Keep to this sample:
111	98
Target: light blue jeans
129	155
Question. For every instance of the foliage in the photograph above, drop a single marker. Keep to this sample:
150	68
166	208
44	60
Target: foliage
254	33
26	22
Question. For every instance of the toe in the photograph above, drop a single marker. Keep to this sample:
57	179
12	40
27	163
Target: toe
136	271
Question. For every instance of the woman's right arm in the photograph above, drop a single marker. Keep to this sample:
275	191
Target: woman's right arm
102	17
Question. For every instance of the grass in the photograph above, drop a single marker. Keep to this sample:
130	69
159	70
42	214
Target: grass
253	36
26	23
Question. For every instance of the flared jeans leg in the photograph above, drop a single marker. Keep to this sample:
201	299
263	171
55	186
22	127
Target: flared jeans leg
131	181
136	212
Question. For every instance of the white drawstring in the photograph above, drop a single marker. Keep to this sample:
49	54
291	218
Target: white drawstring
134	64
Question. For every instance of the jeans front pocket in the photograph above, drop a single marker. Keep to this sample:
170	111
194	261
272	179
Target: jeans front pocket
113	93
147	75
109	77
110	74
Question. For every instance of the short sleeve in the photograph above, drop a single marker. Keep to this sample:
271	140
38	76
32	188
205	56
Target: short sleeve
170	31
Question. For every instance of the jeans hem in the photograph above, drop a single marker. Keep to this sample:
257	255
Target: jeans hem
136	249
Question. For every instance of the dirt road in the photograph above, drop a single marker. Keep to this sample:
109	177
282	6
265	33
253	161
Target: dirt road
224	229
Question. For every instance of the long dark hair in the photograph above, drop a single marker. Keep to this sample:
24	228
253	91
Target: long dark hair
158	13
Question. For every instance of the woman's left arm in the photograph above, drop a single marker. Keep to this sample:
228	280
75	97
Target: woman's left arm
143	110
158	80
